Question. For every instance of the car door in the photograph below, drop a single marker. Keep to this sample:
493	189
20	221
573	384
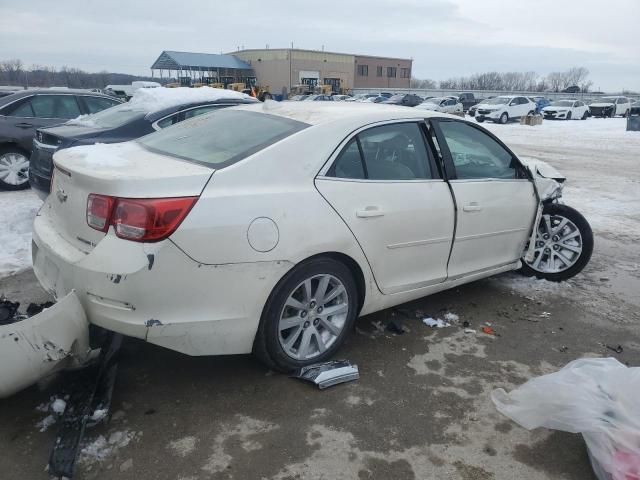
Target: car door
496	203
40	111
385	185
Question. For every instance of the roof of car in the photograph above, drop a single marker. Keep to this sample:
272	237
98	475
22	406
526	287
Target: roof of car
49	91
317	113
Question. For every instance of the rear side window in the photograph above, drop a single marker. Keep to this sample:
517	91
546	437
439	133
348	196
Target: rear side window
97	104
43	106
19	109
389	152
222	138
55	106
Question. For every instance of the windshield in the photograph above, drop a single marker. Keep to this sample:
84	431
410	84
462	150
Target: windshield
222	137
497	101
111	117
562	103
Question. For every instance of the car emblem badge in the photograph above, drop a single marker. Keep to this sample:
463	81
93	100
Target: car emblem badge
62	196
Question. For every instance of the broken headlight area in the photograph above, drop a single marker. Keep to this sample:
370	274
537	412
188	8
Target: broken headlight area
54	337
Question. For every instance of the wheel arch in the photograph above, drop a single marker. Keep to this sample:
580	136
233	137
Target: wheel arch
12	144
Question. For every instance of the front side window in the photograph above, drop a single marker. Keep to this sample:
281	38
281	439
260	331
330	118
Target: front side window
221	138
475	154
43	106
388	152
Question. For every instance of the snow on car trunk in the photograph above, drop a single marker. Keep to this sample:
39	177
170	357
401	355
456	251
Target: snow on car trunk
124	170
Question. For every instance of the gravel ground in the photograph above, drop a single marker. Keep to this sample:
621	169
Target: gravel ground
421	409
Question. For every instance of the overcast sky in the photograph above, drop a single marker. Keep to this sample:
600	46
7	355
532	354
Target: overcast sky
444	37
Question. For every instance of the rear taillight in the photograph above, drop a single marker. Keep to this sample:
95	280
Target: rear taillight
140	220
99	208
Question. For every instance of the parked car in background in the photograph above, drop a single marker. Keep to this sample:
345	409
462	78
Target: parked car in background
635	108
340	98
148	111
378	99
319	98
405	99
467	100
566	110
541	102
399	218
298	98
610	107
504	108
441	104
572	89
21	113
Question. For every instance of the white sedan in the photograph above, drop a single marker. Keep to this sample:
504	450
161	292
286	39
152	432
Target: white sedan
441	104
270	228
566	110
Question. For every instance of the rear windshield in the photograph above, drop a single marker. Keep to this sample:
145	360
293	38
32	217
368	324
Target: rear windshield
111	117
221	138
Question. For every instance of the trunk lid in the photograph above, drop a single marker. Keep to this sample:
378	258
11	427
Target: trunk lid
124	170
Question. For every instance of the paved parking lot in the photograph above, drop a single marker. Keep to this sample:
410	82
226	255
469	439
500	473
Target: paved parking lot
421	408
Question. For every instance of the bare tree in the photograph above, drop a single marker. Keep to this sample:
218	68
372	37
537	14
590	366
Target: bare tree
422	83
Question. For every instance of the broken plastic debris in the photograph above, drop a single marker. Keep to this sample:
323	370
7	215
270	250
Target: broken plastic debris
617	349
489	331
435	322
327	374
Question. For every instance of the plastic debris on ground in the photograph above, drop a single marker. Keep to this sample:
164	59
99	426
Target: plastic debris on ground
435	322
328	374
489	331
596	397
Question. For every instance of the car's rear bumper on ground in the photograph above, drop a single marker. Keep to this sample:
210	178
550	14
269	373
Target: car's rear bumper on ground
35	347
156	292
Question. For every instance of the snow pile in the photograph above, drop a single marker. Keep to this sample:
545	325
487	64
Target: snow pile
59	406
18	211
99	155
154	99
102	447
83	121
45	423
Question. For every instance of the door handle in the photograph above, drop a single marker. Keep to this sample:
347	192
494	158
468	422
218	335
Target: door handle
24	125
472	207
369	212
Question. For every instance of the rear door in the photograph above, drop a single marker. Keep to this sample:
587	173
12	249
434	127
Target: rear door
495	200
385	185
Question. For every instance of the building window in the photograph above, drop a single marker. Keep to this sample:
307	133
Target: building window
404	73
379	71
363	70
391	72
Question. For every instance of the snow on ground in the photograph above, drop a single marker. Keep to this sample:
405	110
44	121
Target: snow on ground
18	209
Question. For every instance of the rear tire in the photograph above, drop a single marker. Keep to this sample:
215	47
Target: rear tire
479	120
14	168
295	331
564	244
504	118
585	115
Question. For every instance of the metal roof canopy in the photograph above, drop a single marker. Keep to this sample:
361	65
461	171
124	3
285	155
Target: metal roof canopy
169	60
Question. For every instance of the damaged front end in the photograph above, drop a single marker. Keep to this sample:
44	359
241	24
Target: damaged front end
548	184
31	348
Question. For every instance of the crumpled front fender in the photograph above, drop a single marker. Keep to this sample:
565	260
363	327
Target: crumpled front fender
548	180
36	347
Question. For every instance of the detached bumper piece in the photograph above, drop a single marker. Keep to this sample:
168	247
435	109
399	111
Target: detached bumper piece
32	348
90	400
328	374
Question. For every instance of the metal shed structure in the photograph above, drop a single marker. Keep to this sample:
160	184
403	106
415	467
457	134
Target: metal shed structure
203	67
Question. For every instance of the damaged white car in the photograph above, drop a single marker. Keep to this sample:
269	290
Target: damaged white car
270	228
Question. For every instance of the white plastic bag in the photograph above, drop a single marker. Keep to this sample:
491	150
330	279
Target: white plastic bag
598	397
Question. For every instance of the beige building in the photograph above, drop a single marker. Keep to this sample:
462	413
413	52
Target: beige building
282	69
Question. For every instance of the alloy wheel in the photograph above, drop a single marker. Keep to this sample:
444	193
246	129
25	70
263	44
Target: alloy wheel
558	245
14	168
313	317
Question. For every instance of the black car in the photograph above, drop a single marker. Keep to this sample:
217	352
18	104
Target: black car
406	99
21	113
119	124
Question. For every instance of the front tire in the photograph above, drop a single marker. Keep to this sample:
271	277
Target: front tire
14	169
585	115
569	116
307	316
479	119
564	244
504	118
